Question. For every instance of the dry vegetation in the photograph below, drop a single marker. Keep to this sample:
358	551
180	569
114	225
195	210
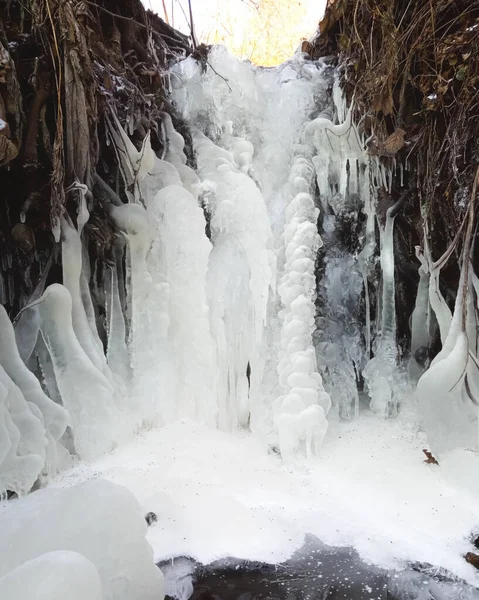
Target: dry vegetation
66	67
412	67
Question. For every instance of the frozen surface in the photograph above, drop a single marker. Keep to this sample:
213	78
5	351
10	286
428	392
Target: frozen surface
95	529
217	494
53	576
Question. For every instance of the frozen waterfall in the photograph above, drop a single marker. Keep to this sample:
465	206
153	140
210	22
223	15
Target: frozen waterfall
254	291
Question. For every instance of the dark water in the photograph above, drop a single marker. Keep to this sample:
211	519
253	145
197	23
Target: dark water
316	572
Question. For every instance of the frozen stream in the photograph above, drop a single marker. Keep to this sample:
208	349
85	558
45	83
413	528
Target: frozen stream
238	332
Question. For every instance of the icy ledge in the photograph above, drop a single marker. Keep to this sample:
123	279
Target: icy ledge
82	543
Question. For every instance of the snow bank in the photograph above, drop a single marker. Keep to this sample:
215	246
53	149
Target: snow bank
219	494
103	529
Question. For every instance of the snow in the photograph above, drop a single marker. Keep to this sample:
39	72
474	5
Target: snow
90	531
219	494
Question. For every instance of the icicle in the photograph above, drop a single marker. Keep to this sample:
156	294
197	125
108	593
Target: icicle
381	370
135	165
183	253
82	215
117	352
441	309
240	232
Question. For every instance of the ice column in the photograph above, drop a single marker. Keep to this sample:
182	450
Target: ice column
300	412
241	272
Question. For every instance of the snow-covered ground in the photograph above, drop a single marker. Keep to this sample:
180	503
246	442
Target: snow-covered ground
220	494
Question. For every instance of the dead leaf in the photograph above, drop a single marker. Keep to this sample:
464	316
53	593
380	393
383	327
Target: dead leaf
430	458
8	150
24	237
395	141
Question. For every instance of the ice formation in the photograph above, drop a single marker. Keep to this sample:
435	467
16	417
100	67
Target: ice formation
300	412
238	299
342	177
380	373
40	414
239	294
448	391
73	536
53	576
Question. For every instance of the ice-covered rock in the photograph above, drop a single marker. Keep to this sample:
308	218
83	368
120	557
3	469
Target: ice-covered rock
94	528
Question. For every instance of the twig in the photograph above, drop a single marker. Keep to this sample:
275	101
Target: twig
219	75
131	19
192	26
165	12
467	247
357	33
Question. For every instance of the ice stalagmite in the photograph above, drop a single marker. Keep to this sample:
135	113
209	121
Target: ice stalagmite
448	391
300	412
89	533
22	440
53	416
86	393
53	576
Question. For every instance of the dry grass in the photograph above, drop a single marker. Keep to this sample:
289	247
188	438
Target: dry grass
413	65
